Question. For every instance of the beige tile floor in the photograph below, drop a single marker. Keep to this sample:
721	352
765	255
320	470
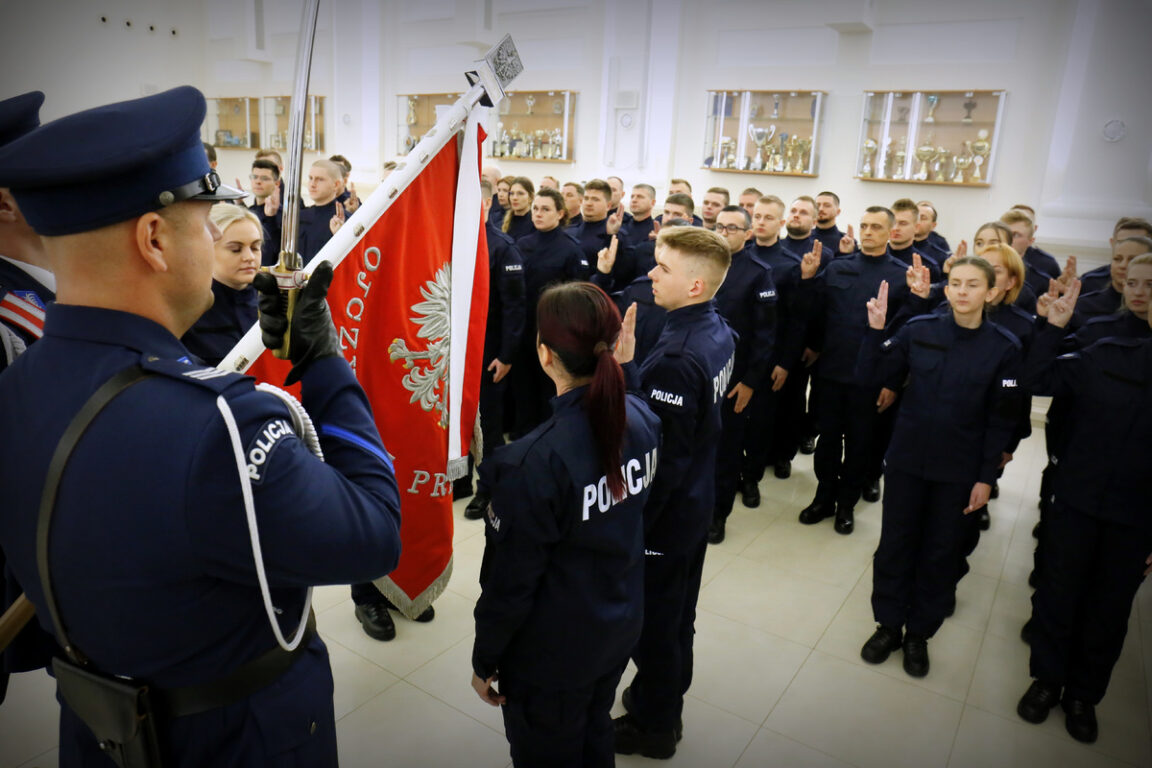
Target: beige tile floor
779	680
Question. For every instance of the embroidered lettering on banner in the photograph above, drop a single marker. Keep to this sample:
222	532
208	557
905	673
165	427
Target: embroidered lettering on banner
354	309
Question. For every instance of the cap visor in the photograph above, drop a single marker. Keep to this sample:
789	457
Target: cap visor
223	192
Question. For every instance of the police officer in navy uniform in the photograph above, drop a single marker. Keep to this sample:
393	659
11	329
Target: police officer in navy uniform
151	506
958	413
848	408
502	336
551	254
26	287
686	377
1097	533
563	570
747	302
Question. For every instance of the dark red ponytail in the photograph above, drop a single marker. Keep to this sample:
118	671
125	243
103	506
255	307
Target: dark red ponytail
580	324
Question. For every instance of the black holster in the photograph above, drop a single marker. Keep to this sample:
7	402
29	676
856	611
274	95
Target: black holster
119	712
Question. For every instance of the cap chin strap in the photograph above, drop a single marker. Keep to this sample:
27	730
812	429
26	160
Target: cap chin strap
208	183
307	432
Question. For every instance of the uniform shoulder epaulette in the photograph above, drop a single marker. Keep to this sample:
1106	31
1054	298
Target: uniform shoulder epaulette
1031	316
925	318
504	237
1008	335
215	379
571	235
1120	341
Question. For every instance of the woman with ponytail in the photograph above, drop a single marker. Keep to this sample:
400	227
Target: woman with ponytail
563	575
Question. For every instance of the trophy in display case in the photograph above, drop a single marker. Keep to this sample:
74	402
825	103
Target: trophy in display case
775	106
941	160
924	153
870	147
899	156
969	106
760	137
980	148
962	163
411	118
933	100
529	101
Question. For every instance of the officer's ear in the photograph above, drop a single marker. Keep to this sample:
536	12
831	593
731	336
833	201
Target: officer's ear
150	232
9	212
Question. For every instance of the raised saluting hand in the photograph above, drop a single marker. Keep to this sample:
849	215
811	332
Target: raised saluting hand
918	277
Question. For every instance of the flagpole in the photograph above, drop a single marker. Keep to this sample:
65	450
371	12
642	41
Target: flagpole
493	73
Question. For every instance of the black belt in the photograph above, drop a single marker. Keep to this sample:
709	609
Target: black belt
239	684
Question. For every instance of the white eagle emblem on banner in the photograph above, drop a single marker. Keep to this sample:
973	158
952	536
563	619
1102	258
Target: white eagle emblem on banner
427	378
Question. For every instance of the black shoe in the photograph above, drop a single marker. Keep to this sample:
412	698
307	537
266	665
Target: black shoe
817	511
880	646
983	519
783	469
915	655
478	507
1026	631
845	521
1080	720
808	446
660	745
626	701
1037	701
871	492
995	494
716	532
750	493
425	617
462	488
377	622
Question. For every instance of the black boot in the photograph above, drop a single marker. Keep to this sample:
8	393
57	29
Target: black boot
1037	701
478	507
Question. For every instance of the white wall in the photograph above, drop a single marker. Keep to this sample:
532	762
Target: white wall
1067	67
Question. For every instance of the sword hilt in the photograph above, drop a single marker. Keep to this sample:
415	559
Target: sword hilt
289	281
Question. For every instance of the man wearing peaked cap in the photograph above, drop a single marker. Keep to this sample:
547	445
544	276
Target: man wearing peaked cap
150	558
26	286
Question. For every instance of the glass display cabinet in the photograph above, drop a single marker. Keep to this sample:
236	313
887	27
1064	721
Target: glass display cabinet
535	125
232	123
276	113
766	132
930	137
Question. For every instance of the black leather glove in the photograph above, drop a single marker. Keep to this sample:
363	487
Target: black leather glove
313	333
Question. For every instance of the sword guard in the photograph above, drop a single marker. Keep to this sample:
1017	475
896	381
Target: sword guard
289	281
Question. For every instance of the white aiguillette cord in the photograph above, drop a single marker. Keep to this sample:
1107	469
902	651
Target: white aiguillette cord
307	432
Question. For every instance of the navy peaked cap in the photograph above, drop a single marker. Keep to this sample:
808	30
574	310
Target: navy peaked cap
19	115
112	163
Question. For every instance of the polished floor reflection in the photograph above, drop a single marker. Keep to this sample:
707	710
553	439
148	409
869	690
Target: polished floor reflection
779	680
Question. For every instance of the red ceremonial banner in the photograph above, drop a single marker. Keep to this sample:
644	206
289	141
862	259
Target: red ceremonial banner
391	301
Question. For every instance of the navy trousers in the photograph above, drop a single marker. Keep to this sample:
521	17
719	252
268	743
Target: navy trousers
914	571
664	654
566	729
1088	579
847	424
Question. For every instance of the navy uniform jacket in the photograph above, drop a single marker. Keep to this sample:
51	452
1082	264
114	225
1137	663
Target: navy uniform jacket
829	237
1040	267
960	406
496	212
150	553
1107	453
563	570
315	229
273	227
800	246
1095	279
685	377
15	281
747	302
939	241
1122	323
1105	301
839	298
520	226
549	257
790	316
650	317
225	322
638	231
929	248
592	236
505	298
904	256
